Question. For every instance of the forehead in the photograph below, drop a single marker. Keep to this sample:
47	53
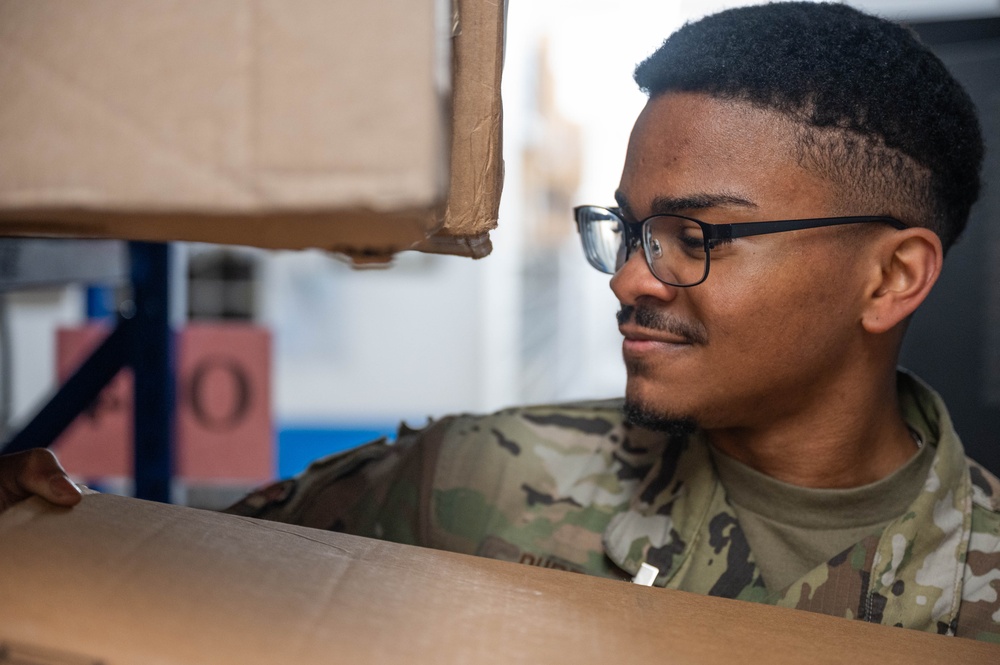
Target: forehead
690	147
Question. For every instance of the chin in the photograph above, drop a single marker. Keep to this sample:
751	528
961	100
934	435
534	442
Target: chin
648	407
641	413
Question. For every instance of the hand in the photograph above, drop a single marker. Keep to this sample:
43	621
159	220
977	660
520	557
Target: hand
35	472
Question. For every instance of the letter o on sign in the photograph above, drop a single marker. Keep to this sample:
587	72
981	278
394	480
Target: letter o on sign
212	376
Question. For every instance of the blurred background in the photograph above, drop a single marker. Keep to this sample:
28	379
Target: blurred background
354	352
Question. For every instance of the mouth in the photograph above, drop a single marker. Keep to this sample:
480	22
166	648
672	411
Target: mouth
634	335
639	342
645	328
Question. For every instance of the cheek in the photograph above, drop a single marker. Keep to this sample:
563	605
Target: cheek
779	312
738	296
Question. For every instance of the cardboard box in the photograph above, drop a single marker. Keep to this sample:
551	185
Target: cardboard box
121	581
315	123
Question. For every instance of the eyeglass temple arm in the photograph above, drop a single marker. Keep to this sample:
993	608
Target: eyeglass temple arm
742	230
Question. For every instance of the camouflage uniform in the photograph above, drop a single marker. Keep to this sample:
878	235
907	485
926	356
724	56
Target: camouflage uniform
572	487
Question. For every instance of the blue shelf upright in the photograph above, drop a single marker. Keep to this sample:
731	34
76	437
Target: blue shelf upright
142	340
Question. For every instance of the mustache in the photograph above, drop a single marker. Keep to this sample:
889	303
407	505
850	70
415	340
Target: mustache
652	319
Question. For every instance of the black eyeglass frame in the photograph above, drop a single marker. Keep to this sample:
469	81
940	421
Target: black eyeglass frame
635	232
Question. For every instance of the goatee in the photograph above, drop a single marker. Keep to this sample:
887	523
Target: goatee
640	415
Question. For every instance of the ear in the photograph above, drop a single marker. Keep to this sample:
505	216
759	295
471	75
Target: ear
909	263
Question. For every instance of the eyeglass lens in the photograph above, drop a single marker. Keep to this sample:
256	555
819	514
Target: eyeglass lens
675	247
603	236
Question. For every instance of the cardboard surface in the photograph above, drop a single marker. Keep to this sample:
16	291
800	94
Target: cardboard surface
224	429
316	123
118	581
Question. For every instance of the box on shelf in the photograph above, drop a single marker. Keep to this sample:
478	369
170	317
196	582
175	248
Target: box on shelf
316	123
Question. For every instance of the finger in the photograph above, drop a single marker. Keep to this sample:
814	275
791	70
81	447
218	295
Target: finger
50	480
36	472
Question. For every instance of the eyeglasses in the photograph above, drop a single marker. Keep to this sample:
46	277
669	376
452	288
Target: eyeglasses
678	248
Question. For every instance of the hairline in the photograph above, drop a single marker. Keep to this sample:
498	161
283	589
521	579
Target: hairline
913	203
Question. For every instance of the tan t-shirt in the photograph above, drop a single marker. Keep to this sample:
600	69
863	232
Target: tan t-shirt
791	529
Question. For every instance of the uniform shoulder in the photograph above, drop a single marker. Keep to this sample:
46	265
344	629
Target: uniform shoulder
566	421
606	408
531	437
985	487
594	416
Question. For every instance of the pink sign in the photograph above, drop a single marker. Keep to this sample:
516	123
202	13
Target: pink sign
98	444
223	424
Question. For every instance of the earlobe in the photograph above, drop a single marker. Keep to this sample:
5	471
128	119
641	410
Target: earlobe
909	267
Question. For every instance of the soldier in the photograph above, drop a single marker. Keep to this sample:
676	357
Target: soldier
788	195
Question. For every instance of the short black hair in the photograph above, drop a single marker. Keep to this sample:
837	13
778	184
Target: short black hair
881	115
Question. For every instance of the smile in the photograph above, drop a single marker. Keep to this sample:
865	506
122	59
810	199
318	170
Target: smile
640	339
632	348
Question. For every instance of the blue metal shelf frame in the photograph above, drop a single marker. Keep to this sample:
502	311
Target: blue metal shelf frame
144	342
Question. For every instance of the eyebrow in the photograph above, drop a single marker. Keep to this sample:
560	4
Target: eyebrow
670	205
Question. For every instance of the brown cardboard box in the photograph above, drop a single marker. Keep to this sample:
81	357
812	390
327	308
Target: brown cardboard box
315	123
121	581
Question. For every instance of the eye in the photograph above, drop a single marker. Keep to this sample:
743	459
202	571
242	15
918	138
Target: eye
690	241
718	242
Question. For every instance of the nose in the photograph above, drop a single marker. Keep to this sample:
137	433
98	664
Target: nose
634	281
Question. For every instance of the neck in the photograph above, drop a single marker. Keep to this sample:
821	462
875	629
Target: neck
846	438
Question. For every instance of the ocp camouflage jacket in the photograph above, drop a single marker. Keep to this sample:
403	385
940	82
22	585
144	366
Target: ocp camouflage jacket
573	487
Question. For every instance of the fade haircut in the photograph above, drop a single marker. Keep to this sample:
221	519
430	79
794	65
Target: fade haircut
880	115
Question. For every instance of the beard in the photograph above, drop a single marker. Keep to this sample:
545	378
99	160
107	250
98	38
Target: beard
638	412
657	419
642	415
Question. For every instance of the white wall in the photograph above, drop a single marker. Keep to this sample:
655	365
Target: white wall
373	344
33	318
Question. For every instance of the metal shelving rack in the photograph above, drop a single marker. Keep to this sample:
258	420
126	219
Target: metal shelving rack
141	340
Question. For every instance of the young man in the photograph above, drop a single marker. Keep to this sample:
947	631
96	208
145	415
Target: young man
787	198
